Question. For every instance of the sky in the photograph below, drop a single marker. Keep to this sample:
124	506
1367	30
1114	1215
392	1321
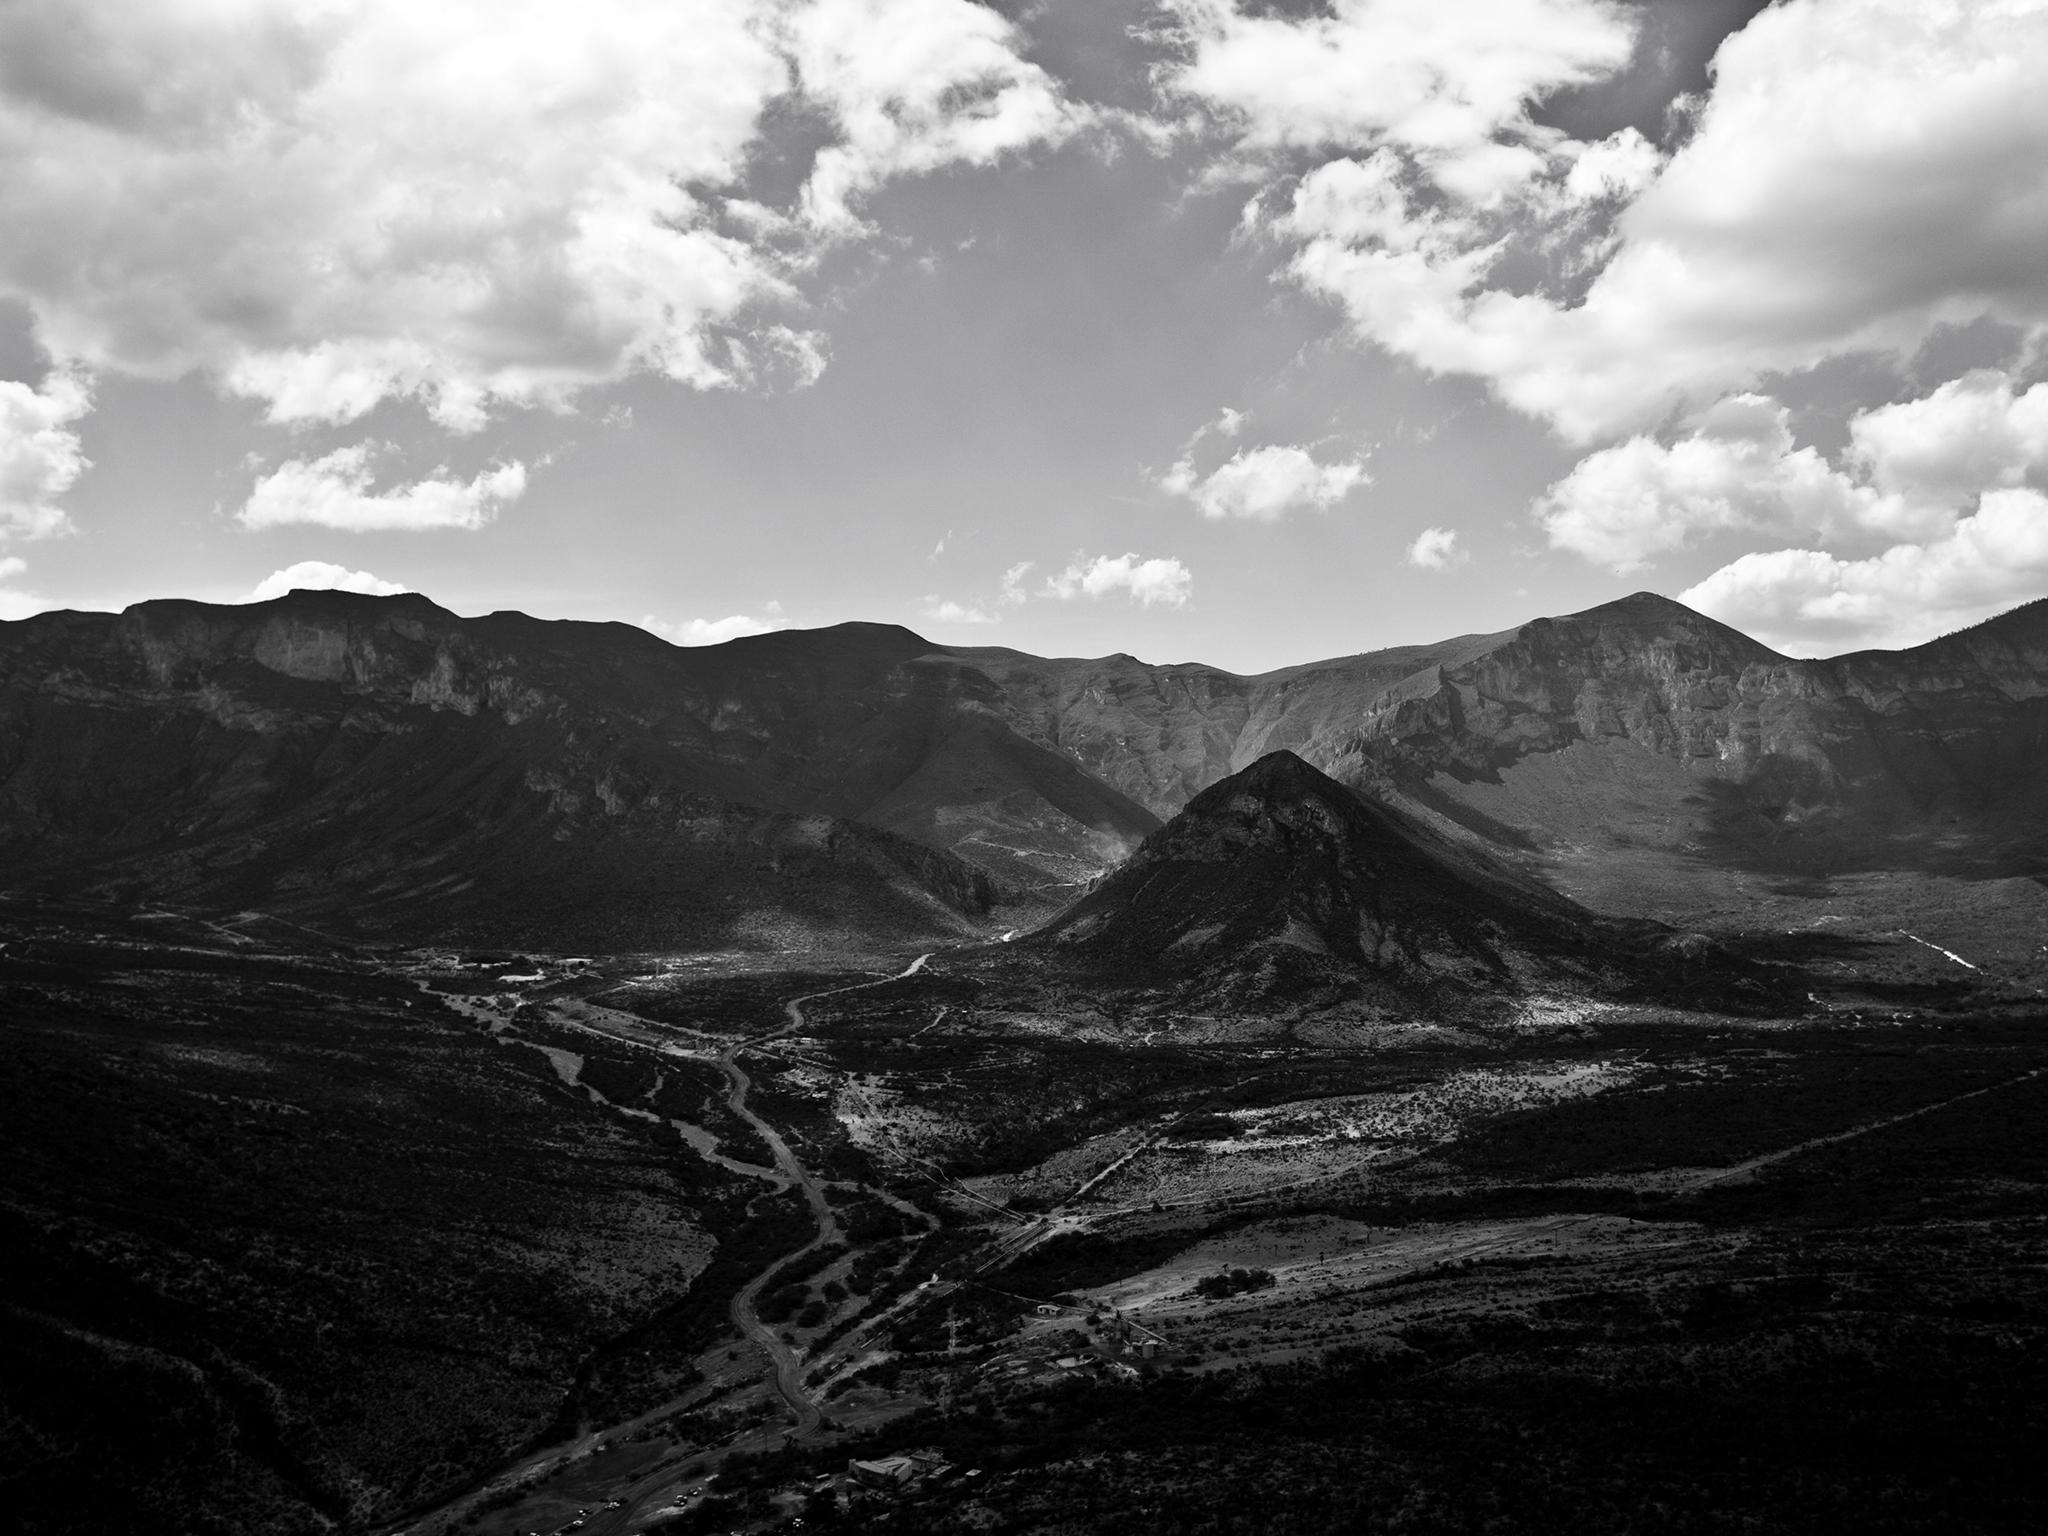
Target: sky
1247	333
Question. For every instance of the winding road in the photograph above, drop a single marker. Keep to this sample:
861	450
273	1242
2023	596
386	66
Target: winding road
789	1378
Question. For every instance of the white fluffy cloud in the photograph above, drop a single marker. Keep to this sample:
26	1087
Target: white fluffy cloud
1972	434
1449	84
1809	601
39	453
913	85
946	611
334	491
1911	470
1158	582
1736	471
1264	484
325	206
323	576
1436	549
1862	174
736	626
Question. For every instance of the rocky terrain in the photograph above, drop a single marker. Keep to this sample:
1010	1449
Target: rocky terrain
810	787
477	1076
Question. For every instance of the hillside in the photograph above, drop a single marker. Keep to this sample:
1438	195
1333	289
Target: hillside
385	760
1279	877
1638	738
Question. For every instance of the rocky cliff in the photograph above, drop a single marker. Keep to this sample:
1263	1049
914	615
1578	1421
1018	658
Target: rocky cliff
184	748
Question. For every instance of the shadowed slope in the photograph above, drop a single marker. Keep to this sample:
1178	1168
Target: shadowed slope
1280	874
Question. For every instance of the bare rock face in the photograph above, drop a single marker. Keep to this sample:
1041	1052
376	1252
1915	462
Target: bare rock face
1643	724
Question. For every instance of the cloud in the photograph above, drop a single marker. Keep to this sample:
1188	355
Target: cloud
1911	469
946	611
334	492
1863	174
320	575
913	85
39	453
1971	434
1737	471
1159	582
15	603
1808	601
1445	83
1436	549
1013	583
468	203
735	626
1265	484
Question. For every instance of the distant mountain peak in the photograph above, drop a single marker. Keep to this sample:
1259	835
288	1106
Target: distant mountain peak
1280	859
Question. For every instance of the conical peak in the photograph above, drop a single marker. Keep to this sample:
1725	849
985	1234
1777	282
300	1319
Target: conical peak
1281	774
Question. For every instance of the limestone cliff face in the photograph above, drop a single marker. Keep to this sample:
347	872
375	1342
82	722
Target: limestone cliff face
1943	741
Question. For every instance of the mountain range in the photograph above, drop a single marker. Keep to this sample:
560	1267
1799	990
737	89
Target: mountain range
382	765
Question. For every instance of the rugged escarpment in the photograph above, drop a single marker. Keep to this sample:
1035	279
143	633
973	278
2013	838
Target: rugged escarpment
382	764
327	740
1641	724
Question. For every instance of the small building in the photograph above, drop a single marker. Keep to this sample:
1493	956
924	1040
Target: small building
889	1473
1148	1349
1046	1309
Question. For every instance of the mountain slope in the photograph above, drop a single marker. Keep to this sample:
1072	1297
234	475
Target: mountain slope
325	744
383	765
1641	727
1279	875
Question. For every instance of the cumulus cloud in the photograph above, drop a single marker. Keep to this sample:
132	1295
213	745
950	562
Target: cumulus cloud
1971	434
1736	471
1911	469
913	85
323	576
1862	174
1449	84
1158	582
334	491
736	626
1808	601
39	453
1013	583
1436	549
328	206
946	611
1264	484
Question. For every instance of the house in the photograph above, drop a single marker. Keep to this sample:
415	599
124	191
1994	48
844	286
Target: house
888	1474
1148	1349
1046	1309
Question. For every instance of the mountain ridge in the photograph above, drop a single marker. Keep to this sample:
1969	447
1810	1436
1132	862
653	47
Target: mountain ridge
1636	729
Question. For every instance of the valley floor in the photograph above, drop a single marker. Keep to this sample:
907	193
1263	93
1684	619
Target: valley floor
309	1238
